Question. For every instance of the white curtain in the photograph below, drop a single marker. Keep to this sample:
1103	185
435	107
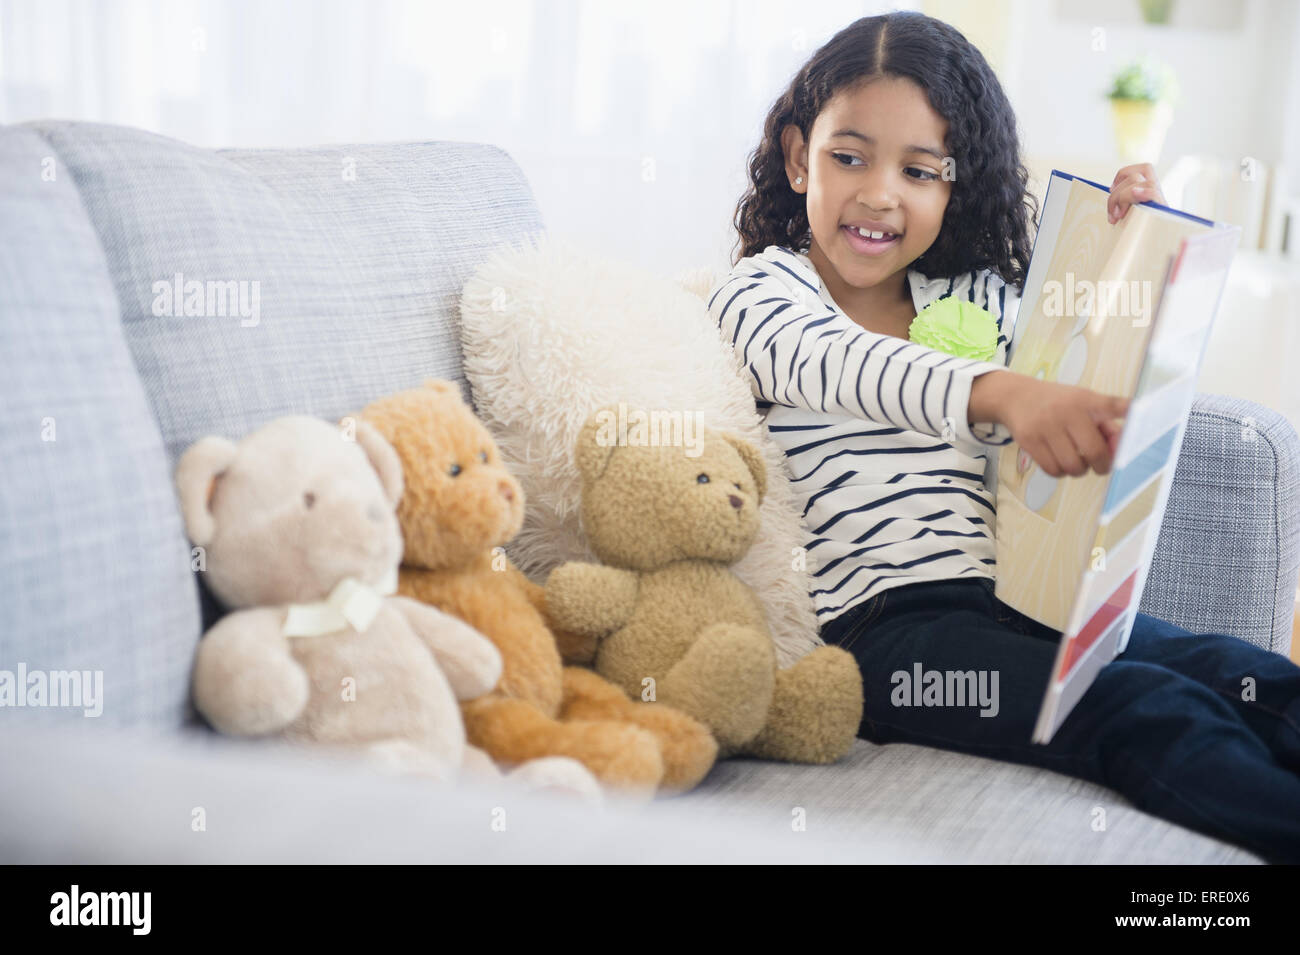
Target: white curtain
632	122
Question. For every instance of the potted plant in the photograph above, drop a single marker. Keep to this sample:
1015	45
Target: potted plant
1156	11
1142	97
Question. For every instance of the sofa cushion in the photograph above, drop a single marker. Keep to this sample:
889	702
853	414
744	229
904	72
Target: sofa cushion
327	276
91	549
358	254
266	801
966	809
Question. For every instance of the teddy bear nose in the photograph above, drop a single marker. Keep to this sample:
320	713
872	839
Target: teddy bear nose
736	502
506	491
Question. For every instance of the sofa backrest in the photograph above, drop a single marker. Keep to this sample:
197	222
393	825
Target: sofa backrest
163	292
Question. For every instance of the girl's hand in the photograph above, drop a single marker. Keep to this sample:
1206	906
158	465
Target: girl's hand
1064	428
1133	184
1112	429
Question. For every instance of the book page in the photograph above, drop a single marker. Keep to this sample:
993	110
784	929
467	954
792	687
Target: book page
1110	591
1089	324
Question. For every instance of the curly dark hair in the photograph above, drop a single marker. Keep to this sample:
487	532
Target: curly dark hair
987	221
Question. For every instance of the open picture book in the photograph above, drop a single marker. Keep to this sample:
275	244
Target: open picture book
1123	309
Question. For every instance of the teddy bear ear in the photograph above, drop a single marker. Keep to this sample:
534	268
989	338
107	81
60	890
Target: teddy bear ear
591	451
383	457
196	478
444	387
753	460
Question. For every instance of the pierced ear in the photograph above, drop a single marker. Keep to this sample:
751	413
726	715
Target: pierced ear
196	478
593	449
753	460
383	458
795	149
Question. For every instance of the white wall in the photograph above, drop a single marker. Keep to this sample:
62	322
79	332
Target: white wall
633	122
1235	82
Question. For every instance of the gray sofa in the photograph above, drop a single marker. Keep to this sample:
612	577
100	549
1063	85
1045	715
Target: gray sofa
359	254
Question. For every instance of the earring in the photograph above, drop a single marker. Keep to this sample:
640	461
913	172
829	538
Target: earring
798	179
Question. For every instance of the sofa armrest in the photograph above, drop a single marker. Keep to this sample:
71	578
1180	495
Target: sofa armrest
1228	553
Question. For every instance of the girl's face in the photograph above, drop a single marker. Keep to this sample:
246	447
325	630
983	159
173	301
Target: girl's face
875	158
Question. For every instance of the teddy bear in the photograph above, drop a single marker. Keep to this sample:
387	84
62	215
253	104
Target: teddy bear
667	521
460	508
297	535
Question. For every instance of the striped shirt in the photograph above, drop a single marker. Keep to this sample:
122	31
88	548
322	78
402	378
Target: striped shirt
895	484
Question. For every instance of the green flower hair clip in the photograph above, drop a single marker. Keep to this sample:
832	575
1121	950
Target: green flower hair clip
958	327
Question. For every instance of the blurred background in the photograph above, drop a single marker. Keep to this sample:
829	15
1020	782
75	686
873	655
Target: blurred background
633	122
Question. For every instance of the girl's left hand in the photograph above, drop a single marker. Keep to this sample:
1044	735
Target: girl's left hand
1133	184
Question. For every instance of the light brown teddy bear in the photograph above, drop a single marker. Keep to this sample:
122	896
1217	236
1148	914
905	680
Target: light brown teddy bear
300	540
460	508
670	614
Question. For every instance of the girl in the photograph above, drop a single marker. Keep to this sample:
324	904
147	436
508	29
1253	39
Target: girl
889	176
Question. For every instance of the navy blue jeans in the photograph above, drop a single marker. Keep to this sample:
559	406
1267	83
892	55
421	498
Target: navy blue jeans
1165	723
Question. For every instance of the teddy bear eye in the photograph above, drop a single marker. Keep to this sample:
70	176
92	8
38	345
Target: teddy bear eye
482	456
738	487
309	499
702	478
454	470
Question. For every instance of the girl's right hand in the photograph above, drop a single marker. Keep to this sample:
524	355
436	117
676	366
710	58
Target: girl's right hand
1064	428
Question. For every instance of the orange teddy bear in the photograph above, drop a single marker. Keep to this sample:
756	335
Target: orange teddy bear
459	508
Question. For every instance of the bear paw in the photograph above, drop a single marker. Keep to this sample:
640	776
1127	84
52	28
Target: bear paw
816	710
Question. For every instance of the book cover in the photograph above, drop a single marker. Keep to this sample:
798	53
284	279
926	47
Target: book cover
1123	309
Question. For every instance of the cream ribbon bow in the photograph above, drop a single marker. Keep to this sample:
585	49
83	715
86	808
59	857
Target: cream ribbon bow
351	603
